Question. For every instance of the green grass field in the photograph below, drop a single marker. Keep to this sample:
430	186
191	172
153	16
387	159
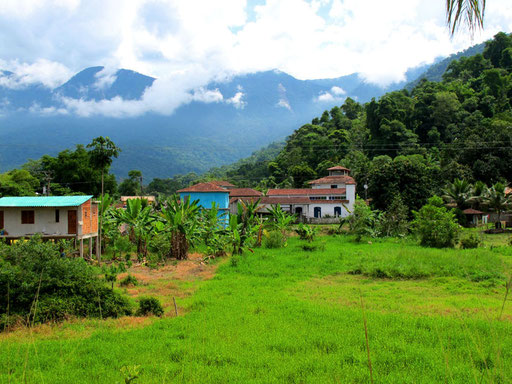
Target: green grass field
294	316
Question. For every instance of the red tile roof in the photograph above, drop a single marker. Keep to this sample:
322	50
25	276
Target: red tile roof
222	183
285	200
338	168
244	192
334	180
203	187
471	211
306	192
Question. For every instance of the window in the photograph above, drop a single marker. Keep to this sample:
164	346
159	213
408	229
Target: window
57	216
334	186
317	212
337	211
27	217
318	198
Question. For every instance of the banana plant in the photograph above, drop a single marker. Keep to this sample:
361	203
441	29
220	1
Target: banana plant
181	218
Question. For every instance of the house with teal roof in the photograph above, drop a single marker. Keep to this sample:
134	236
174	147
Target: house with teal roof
51	217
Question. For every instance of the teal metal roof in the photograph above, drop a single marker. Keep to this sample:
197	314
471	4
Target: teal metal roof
44	201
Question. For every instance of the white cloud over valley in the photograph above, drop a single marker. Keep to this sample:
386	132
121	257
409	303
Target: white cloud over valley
187	44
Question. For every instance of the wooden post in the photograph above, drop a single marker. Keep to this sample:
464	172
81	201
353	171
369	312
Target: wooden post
90	248
98	256
82	248
175	306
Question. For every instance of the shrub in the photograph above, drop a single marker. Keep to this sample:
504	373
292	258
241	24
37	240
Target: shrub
64	287
435	225
311	247
129	280
306	232
150	306
472	241
274	239
160	245
362	220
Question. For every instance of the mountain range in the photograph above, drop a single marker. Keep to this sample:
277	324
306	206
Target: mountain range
221	123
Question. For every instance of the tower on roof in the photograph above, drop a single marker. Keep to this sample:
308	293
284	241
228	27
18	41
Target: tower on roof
338	171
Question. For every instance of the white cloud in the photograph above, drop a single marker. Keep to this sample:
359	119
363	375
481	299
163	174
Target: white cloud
48	73
237	100
338	91
187	44
284	103
334	95
207	95
105	78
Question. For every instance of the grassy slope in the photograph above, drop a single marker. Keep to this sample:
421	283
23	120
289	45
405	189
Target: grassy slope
293	316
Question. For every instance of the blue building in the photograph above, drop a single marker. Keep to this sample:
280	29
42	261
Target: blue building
208	193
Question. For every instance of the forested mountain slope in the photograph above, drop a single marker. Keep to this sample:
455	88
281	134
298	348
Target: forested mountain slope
410	142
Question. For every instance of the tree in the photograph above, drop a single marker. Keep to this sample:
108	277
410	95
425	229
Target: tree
458	193
133	185
101	154
18	182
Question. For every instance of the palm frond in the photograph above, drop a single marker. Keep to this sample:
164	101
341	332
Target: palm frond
469	12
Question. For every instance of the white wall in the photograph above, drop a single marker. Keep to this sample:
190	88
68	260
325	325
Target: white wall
44	221
327	209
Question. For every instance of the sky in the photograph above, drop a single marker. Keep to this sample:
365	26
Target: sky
188	43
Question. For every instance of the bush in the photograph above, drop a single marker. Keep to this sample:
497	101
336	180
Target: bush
274	239
362	220
435	225
311	247
150	306
160	245
64	287
306	232
129	280
472	241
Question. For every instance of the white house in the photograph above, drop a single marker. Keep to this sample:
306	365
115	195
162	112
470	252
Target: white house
53	217
330	196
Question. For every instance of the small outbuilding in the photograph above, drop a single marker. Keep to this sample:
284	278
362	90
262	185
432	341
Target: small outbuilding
52	217
473	216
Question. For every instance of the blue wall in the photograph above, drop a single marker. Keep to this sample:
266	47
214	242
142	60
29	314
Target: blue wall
207	198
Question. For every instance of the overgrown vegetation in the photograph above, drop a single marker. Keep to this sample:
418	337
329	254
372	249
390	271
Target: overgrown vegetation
38	285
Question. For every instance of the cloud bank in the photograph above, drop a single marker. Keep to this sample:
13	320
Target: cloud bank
187	44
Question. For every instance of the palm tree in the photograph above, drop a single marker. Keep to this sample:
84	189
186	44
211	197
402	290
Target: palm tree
497	200
457	193
470	12
478	192
102	152
182	219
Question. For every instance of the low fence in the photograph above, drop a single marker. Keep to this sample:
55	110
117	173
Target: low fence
321	220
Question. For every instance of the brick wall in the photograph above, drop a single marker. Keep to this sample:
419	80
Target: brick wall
89	217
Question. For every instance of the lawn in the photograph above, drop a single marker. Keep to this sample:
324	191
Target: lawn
294	316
